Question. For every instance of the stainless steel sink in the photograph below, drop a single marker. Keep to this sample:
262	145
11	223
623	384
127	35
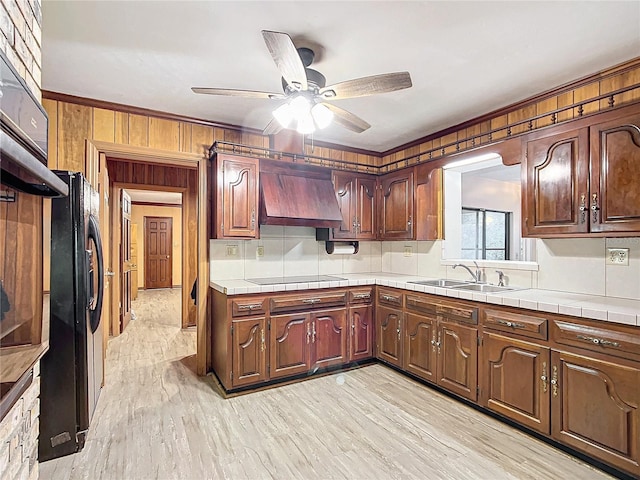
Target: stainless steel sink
483	288
441	282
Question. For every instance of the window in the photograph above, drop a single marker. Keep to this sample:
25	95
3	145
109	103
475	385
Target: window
485	234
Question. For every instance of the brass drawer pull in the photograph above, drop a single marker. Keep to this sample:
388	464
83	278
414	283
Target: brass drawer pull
360	296
310	301
390	298
598	341
250	306
510	324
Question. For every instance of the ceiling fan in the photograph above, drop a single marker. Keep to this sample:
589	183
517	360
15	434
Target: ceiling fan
308	99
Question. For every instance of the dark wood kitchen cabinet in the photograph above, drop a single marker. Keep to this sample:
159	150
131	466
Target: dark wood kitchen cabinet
596	408
396	205
457	346
249	354
356	196
583	181
236	197
389	335
329	338
420	348
362	324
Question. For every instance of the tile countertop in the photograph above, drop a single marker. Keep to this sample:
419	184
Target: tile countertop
618	310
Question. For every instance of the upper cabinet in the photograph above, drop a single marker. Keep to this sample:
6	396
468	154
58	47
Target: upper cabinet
236	197
396	205
356	194
583	181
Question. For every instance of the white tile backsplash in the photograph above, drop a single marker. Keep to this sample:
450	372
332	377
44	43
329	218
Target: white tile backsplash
623	280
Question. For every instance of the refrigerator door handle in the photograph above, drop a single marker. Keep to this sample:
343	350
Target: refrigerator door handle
96	312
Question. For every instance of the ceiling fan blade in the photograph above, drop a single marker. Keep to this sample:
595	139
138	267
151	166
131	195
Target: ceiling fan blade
361	87
347	119
236	93
272	127
287	59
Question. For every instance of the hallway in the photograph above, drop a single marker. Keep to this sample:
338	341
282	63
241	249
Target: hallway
157	420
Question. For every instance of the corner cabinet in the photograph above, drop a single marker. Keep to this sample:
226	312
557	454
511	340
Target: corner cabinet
583	181
236	197
356	196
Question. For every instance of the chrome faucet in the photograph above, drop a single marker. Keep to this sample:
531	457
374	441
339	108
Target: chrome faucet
476	276
500	278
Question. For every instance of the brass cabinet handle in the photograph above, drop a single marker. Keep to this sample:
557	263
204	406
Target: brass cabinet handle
510	324
310	301
313	333
353	329
354	225
390	298
308	333
409	221
598	341
595	207
438	343
253	218
398	330
359	296
250	306
583	208
554	381
544	377
262	339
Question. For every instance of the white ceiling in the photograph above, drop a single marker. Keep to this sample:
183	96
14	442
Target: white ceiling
465	58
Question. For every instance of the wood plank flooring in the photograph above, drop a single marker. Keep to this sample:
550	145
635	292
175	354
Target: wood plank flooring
157	420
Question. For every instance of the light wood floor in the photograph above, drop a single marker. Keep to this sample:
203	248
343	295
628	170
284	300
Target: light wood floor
157	420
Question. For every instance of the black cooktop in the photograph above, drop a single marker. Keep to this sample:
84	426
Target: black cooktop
300	279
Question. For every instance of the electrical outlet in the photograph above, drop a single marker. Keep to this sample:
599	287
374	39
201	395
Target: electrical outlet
617	256
260	251
408	251
232	250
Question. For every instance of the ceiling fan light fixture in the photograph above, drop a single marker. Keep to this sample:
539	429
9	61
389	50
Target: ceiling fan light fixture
322	116
305	124
284	114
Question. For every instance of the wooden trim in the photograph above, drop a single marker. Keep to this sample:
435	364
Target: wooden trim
185	160
120	107
157	204
615	70
343	148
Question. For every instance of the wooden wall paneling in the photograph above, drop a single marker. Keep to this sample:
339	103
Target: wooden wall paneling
485	127
121	129
499	123
620	81
628	79
522	114
74	127
104	125
232	136
350	157
585	93
446	140
164	134
202	137
138	130
254	140
51	107
186	132
190	248
542	107
218	134
564	100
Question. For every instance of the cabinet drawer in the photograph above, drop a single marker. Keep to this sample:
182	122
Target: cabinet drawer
248	306
389	297
421	304
307	302
598	339
525	325
361	296
459	312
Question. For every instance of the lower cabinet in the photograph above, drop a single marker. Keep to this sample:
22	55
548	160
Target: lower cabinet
249	356
458	359
420	346
303	341
595	408
389	335
515	379
361	324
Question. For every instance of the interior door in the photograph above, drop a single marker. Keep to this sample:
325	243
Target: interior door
158	243
125	260
134	261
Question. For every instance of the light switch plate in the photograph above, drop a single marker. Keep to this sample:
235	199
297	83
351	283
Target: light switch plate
617	256
408	251
260	251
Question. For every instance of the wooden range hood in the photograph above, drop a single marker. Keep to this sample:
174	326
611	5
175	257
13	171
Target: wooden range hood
297	195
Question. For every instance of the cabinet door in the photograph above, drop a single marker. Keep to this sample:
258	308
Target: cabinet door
555	186
249	351
514	378
344	185
420	346
366	208
237	197
615	169
361	344
595	408
388	335
458	359
396	206
290	340
429	203
329	337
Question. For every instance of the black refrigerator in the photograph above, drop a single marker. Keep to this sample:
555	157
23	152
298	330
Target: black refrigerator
71	372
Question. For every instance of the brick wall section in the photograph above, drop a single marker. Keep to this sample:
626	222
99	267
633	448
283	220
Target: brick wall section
20	40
